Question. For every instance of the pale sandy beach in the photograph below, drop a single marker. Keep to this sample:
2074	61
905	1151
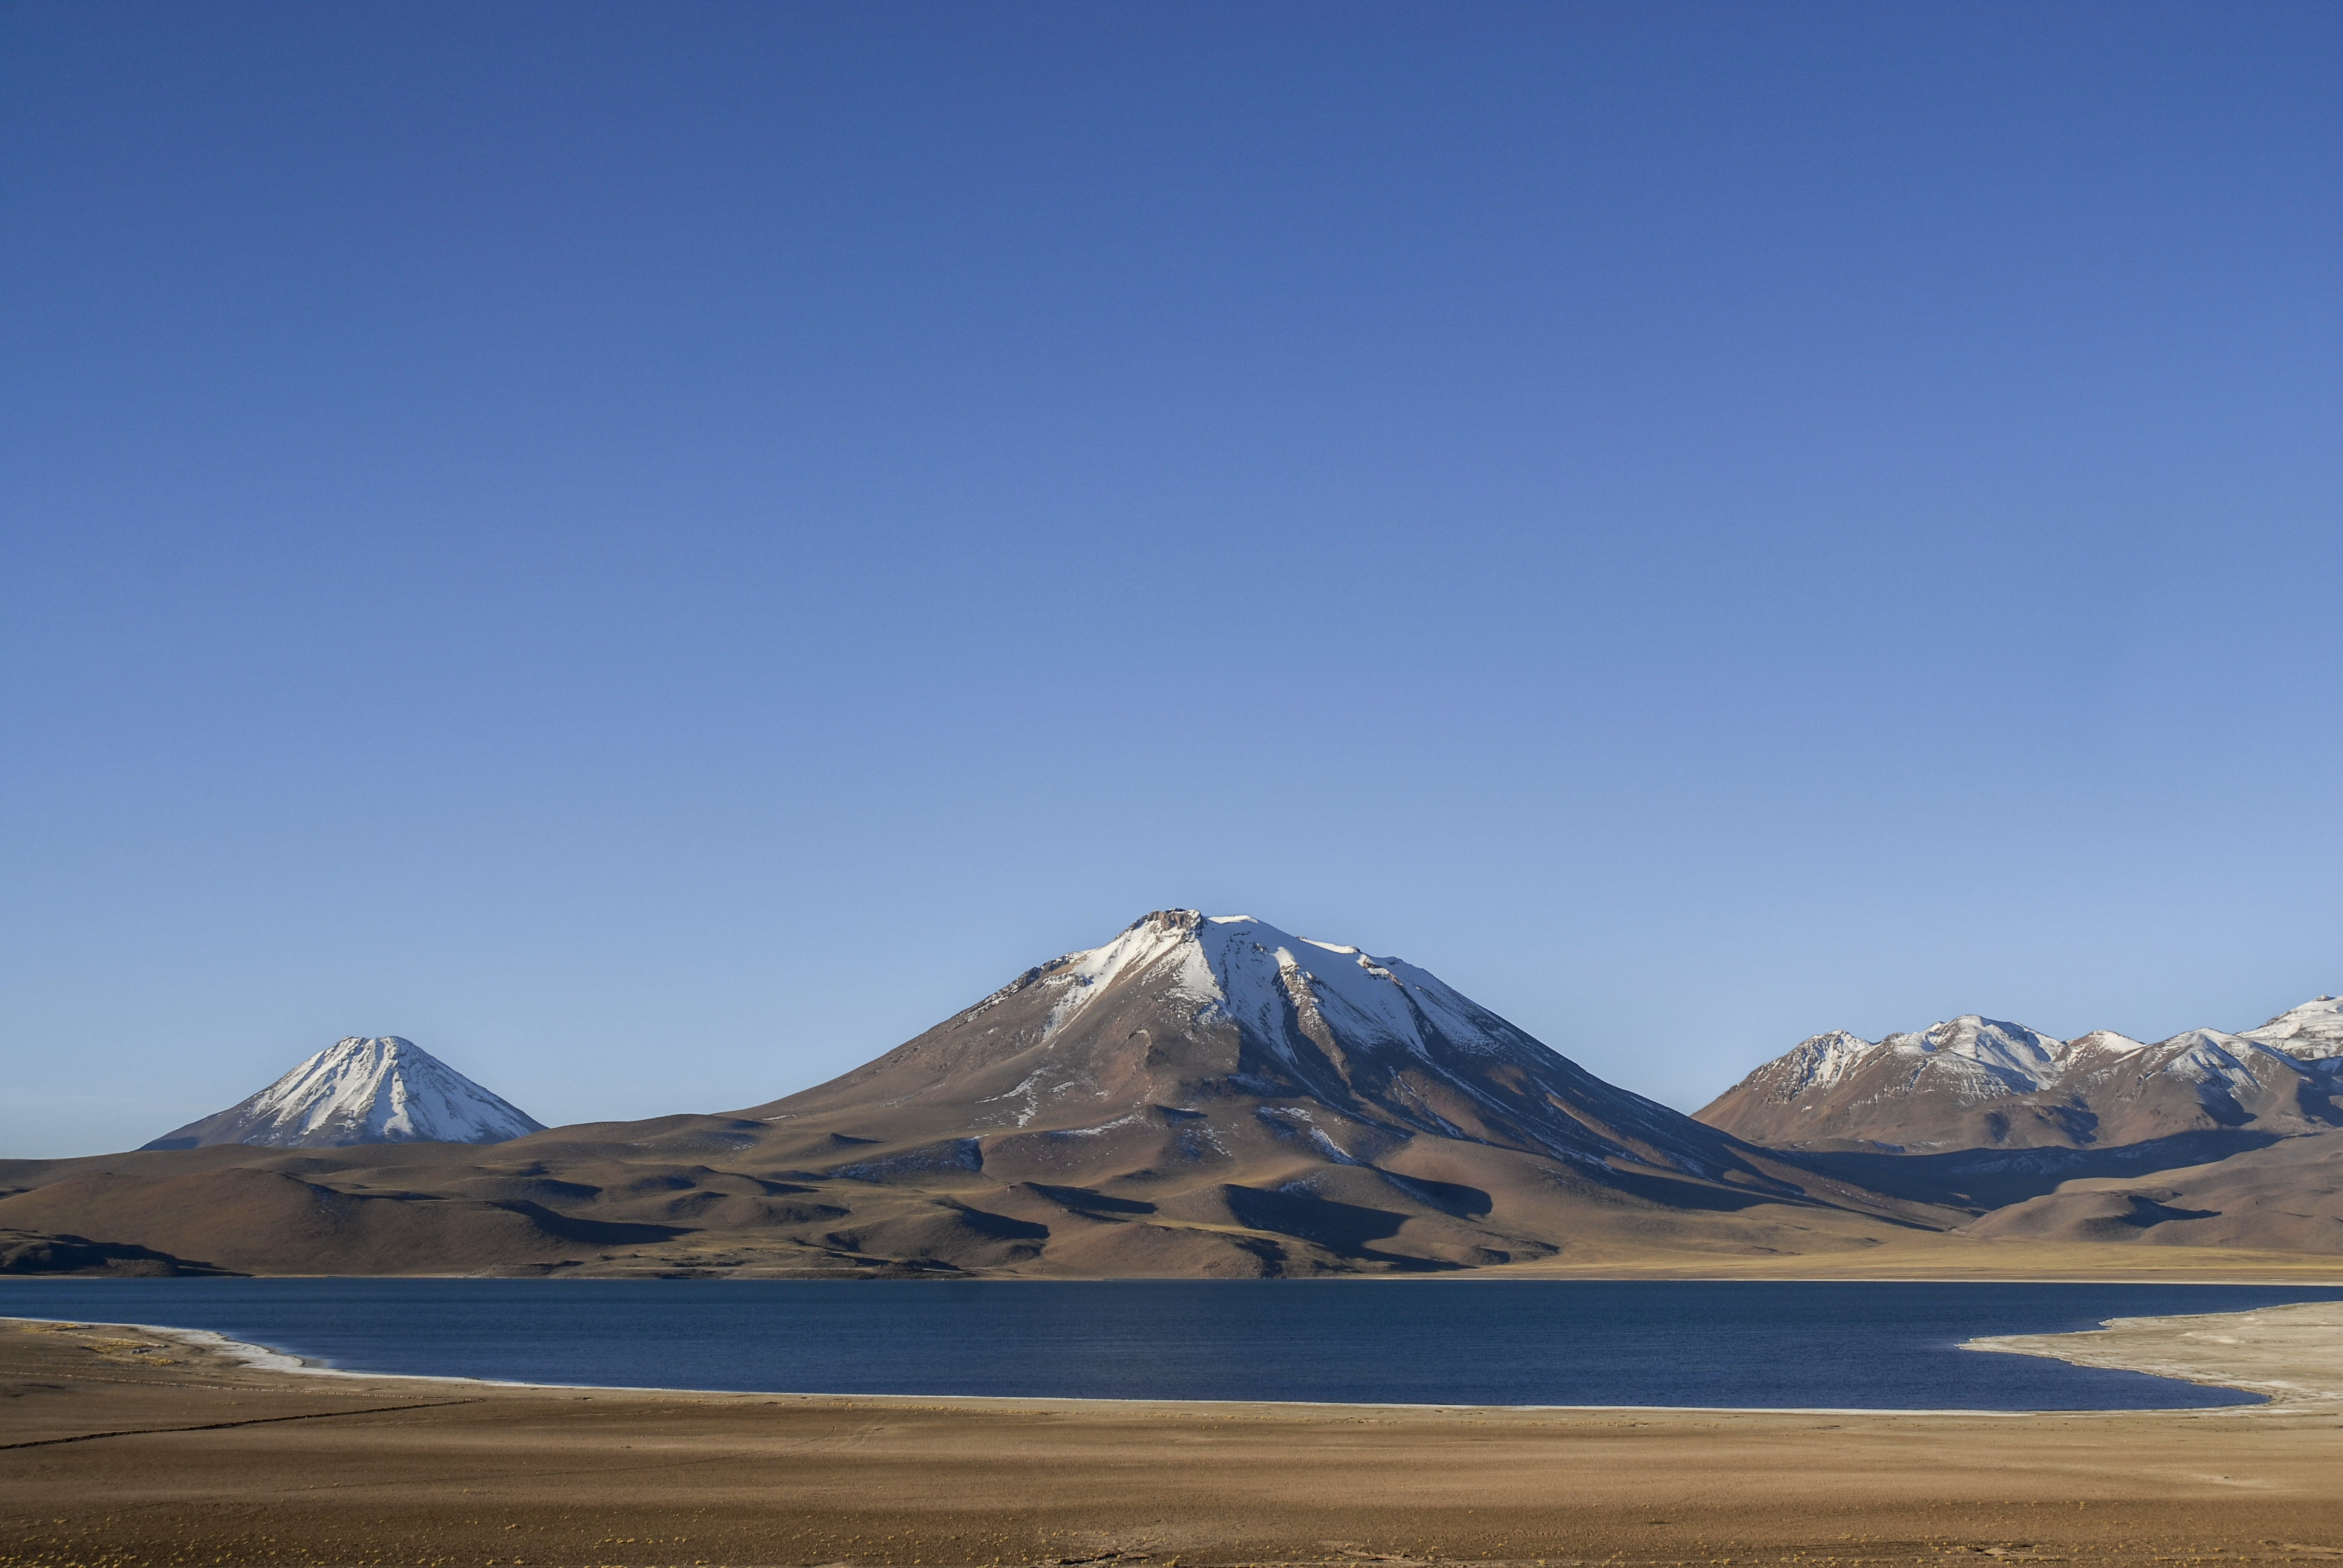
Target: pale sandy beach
135	1447
2292	1354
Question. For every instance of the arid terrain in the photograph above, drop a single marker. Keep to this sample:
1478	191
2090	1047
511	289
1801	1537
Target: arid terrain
125	1447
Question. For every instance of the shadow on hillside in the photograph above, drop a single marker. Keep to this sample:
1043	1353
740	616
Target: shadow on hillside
1982	1178
1344	1229
1677	1192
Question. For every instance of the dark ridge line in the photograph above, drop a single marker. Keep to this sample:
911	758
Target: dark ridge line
223	1425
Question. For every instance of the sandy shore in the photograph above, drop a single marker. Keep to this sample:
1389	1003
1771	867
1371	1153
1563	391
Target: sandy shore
2292	1354
121	1446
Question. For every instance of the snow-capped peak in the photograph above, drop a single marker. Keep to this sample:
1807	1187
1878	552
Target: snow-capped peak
2310	1032
363	1090
1822	1060
2209	1056
2026	1054
1255	973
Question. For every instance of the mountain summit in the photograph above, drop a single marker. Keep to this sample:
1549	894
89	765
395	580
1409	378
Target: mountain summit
2311	1032
362	1091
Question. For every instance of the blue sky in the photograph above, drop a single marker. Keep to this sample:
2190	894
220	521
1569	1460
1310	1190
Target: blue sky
658	551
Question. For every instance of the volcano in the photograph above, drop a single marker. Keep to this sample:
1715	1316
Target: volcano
362	1089
1211	1092
1190	1036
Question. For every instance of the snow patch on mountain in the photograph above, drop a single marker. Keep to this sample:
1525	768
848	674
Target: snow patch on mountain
2210	1057
1261	968
2026	1058
1822	1060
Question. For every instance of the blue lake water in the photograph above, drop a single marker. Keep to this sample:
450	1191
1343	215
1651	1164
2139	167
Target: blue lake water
1754	1345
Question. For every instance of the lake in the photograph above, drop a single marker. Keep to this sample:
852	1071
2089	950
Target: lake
1749	1345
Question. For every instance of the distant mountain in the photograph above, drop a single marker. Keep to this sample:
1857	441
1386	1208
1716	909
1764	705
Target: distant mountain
362	1091
1977	1082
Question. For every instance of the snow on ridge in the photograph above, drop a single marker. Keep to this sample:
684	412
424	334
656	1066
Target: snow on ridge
2010	1048
1259	968
2212	1056
1820	1061
2205	1056
1142	944
2311	1032
1991	1056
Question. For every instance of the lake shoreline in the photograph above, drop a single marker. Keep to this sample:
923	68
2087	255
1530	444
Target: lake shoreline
2291	1356
268	1358
1834	1348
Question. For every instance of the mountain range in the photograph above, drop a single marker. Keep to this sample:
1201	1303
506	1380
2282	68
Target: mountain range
1977	1082
1210	1095
2206	1139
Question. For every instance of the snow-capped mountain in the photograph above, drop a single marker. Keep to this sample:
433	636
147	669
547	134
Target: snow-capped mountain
1199	1016
1975	1081
362	1091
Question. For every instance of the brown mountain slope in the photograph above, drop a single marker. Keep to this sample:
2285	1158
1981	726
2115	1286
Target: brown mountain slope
257	1220
2287	1195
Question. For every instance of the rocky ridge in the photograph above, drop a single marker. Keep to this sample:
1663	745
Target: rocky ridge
1978	1083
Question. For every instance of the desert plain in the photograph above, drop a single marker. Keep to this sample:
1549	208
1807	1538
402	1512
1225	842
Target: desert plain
123	1446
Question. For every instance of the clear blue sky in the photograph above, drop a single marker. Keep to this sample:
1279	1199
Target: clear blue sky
658	550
